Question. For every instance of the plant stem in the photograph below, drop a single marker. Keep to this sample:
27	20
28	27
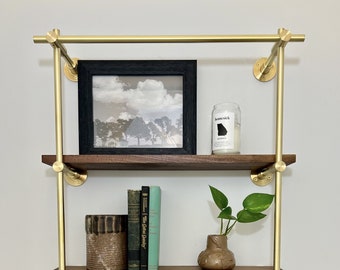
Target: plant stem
229	229
221	228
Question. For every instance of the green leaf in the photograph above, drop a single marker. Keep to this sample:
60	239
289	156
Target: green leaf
226	214
219	198
245	216
257	202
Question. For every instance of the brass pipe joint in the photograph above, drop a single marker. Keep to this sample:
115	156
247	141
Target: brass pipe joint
266	176
72	177
265	69
70	67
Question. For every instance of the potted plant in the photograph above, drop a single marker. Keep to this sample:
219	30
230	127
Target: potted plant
217	255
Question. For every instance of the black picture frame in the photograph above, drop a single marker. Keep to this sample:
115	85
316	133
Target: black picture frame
137	106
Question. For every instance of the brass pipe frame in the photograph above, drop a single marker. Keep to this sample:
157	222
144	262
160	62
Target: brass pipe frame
53	38
59	50
72	177
285	36
170	39
59	153
278	157
264	68
266	175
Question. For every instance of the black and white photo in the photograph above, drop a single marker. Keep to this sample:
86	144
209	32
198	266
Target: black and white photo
137	107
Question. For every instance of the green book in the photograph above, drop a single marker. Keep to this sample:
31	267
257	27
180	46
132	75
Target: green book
154	227
133	243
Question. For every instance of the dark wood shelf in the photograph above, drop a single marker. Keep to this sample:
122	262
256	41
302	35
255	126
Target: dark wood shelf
185	268
169	162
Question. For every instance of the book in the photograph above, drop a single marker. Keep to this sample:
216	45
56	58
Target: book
133	242
154	227
144	228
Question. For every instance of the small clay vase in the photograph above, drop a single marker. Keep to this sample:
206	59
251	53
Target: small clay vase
216	255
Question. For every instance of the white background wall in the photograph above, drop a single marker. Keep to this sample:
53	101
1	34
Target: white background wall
310	219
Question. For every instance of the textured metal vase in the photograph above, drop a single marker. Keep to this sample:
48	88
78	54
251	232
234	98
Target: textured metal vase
106	242
216	255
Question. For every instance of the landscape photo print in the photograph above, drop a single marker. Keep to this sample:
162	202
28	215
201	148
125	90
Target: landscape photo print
137	107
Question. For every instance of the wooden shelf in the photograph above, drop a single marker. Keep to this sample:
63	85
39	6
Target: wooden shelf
186	268
168	162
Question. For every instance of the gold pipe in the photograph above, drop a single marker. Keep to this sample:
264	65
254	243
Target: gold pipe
264	68
52	37
278	178
265	176
72	177
59	153
170	39
285	36
279	105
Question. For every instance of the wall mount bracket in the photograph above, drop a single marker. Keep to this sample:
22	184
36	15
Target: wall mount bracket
70	72
264	69
72	177
265	177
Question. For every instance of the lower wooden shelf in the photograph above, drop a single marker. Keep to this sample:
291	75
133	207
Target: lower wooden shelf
186	268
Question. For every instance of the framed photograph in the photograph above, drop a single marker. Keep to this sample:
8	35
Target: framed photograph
137	106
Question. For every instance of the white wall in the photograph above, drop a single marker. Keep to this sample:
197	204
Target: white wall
310	219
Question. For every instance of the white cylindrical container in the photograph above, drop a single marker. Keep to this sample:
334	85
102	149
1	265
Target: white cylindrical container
226	126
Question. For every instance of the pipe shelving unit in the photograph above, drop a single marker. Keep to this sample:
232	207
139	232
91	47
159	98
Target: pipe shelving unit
270	169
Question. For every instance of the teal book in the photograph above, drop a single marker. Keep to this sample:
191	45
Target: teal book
154	227
133	236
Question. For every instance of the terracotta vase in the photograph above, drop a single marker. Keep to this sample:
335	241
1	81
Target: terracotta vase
216	255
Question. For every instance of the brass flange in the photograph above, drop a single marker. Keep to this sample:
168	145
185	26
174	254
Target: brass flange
72	177
266	176
262	72
71	72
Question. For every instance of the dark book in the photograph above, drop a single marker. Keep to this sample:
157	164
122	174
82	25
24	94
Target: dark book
144	232
133	244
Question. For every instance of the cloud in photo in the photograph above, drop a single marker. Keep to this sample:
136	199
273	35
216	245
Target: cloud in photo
149	95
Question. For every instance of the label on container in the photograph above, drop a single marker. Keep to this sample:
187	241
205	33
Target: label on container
223	131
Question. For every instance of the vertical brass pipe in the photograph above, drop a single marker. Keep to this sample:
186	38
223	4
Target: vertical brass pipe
59	153
278	174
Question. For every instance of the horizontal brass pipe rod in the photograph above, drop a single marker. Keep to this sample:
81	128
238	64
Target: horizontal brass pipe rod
170	39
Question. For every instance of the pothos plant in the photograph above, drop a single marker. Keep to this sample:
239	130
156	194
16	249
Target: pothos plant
253	206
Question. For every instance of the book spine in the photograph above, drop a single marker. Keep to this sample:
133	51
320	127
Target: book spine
144	228
133	254
154	227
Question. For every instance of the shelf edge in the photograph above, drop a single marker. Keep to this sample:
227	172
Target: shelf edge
169	162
